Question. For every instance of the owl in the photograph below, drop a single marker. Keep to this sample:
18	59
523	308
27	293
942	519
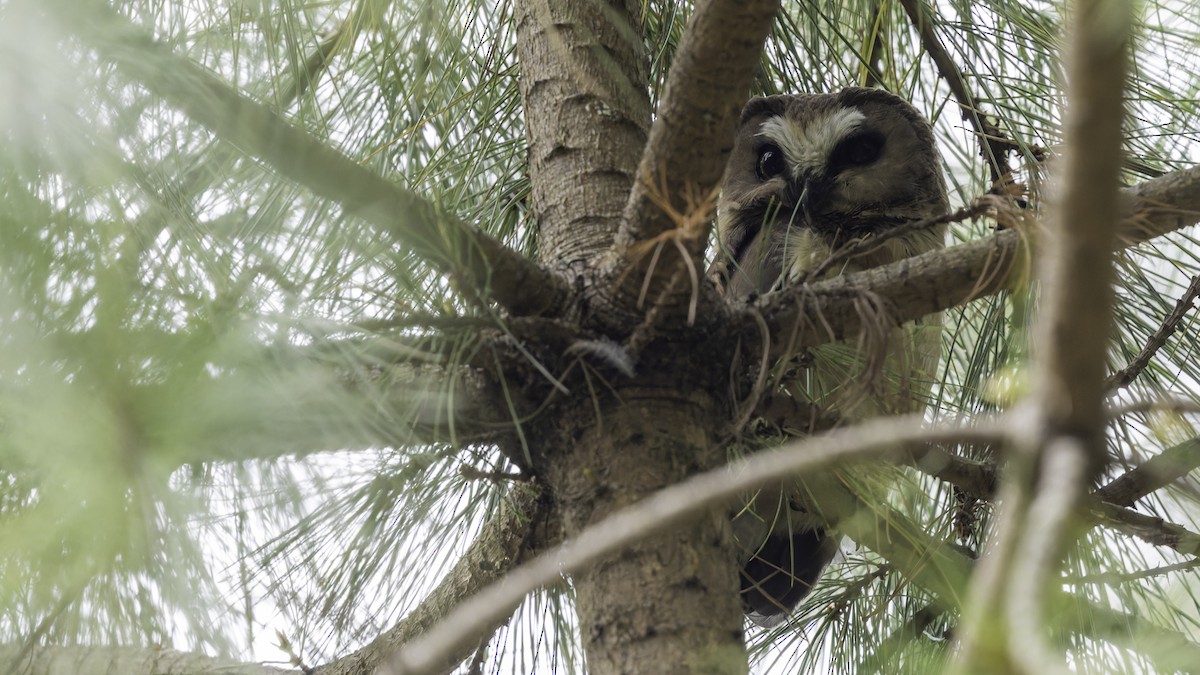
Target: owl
808	175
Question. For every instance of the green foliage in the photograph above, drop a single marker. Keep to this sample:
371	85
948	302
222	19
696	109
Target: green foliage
210	382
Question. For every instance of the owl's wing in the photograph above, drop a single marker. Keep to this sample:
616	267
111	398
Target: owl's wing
889	374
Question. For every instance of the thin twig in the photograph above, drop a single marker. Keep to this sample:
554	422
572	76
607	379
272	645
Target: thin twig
874	240
993	143
1129	373
1119	578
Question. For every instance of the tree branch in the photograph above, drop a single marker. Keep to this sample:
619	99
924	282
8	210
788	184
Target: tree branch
131	661
993	143
673	505
1130	372
484	264
1150	529
826	311
1158	471
587	111
300	405
1077	272
690	141
1060	443
698	112
974	477
519	531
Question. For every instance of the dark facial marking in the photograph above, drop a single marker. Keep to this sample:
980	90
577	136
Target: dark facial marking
859	149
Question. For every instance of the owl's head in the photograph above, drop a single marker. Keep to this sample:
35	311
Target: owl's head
810	172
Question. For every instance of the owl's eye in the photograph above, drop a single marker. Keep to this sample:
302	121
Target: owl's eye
858	150
770	162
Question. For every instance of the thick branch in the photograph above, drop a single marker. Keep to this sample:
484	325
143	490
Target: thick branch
826	311
974	477
518	532
587	111
692	135
1077	300
1158	471
1150	529
484	264
1060	447
314	408
668	215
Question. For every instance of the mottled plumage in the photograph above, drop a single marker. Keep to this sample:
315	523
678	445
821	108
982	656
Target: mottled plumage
807	175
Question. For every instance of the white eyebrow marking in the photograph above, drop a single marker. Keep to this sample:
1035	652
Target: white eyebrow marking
807	146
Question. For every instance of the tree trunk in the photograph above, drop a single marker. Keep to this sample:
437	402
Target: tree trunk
587	115
669	605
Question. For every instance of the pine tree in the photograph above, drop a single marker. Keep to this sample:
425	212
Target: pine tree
320	320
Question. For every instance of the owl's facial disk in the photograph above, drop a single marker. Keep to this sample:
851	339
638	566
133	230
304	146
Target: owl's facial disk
808	173
821	168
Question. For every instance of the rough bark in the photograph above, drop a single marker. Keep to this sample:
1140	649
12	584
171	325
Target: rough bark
587	112
669	605
1158	471
692	136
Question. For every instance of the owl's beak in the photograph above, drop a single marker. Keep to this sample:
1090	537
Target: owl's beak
803	198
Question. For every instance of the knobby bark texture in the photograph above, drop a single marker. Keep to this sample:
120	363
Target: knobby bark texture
667	605
690	141
587	114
